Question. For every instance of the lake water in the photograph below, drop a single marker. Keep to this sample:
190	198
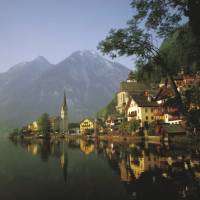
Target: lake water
78	169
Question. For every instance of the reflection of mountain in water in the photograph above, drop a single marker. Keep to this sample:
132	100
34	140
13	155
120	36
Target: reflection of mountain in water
146	171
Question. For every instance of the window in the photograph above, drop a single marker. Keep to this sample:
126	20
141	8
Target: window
147	118
151	109
152	118
146	110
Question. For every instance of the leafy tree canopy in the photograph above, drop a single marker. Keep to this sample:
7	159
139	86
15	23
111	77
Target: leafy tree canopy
162	17
44	123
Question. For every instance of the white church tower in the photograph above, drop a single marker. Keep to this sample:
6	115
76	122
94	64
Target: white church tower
64	116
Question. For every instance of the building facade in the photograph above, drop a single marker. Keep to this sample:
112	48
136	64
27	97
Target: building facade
34	126
141	108
128	87
87	126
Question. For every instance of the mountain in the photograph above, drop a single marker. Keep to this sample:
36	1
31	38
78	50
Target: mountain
31	88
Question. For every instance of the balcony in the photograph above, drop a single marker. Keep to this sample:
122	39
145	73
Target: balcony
132	114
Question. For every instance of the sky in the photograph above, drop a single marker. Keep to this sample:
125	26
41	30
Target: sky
56	28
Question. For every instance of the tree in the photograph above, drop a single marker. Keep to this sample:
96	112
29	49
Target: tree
110	109
165	16
133	126
161	17
44	124
192	97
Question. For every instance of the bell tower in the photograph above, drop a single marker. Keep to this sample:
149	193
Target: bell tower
64	116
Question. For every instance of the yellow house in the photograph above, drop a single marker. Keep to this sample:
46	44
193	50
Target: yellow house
34	126
142	108
87	125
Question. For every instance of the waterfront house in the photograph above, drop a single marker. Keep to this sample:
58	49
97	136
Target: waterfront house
130	86
112	123
87	126
141	107
33	127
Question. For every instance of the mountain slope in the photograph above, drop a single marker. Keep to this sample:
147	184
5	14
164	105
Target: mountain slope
89	80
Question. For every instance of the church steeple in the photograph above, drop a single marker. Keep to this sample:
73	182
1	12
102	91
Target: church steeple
64	101
64	116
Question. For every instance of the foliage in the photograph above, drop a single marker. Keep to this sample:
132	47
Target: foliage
133	125
14	133
163	17
194	118
73	125
192	97
110	109
44	124
129	126
180	51
151	129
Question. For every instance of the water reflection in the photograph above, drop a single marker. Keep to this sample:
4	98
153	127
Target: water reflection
147	171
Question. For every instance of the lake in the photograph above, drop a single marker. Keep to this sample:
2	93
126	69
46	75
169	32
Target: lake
92	169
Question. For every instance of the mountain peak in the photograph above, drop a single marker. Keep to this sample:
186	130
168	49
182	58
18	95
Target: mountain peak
85	53
41	59
39	63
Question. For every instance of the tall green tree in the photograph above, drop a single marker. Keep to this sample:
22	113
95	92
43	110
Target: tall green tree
152	18
44	124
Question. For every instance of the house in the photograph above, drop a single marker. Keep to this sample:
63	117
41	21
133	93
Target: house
130	86
87	126
172	116
34	126
185	81
169	115
141	107
112	123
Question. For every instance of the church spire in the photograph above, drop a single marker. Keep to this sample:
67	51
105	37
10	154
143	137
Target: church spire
64	101
64	116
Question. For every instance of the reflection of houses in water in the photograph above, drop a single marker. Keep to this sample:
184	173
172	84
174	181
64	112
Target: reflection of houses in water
143	163
133	161
86	147
33	148
125	171
110	151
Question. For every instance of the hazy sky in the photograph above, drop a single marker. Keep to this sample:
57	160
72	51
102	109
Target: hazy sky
56	28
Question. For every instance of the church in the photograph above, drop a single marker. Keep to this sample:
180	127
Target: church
64	116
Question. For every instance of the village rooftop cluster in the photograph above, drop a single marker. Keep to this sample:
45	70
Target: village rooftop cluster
140	110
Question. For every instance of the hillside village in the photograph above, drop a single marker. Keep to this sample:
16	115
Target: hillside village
152	107
148	109
137	110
